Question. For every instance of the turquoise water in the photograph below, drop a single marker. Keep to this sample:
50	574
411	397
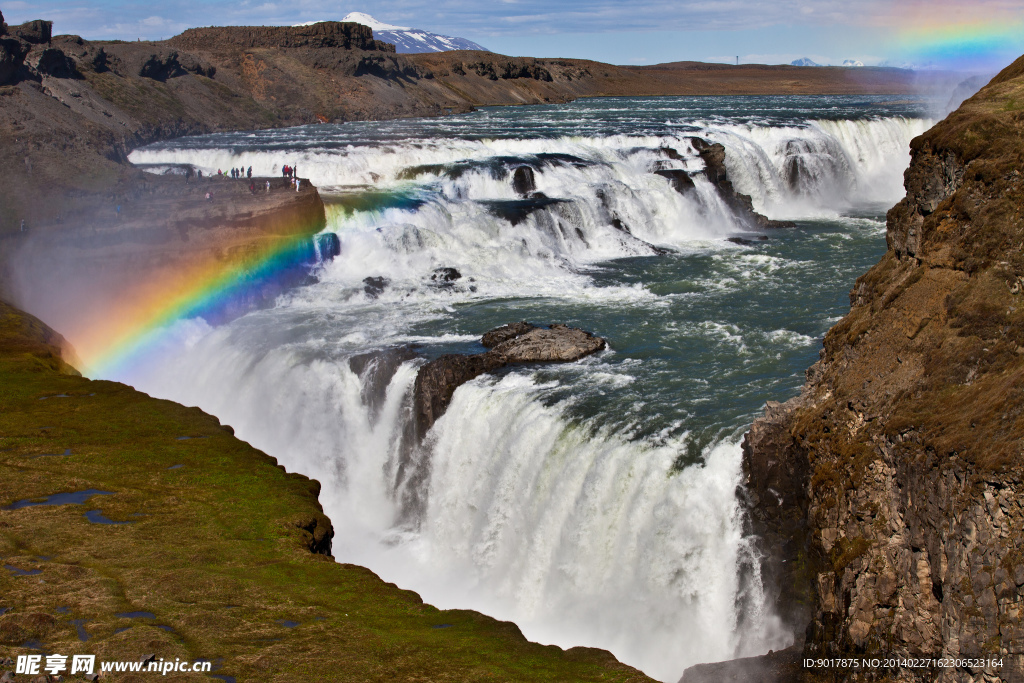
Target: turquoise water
726	330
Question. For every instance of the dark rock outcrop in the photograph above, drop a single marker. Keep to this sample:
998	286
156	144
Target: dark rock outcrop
336	34
523	181
165	64
12	58
445	276
742	206
679	179
375	286
36	32
890	494
783	666
52	62
516	343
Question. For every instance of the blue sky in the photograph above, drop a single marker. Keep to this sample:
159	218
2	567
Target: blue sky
630	32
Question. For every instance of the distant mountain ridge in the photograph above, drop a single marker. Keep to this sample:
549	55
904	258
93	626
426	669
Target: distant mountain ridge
409	40
804	62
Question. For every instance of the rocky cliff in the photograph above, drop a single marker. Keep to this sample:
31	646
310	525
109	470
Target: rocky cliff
889	494
325	34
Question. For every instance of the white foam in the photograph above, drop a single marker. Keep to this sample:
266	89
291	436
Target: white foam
580	536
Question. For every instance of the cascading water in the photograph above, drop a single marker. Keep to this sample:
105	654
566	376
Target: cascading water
591	503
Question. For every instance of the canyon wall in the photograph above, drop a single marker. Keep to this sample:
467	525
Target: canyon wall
889	493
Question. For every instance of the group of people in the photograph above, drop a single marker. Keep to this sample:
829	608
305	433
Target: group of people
242	173
238	173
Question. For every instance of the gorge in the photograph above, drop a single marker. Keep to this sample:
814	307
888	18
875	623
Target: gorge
593	502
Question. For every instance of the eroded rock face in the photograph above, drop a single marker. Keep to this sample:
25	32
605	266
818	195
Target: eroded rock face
891	492
742	206
509	344
166	64
345	35
37	32
12	57
52	62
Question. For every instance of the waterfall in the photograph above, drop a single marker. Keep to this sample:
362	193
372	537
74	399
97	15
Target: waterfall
538	497
576	534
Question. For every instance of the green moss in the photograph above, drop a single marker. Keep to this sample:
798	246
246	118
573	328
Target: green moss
846	551
228	528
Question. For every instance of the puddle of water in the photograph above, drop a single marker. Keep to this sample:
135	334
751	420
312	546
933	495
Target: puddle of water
67	451
43	398
287	623
80	627
135	615
164	627
4	610
174	467
121	630
96	517
188	438
63	610
73	498
22	572
441	626
33	644
226	679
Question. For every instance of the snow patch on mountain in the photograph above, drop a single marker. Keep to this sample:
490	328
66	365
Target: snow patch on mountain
853	62
804	61
407	39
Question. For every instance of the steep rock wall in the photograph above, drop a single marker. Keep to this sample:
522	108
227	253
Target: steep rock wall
889	493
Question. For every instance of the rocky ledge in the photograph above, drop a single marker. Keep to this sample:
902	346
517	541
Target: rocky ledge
889	496
514	343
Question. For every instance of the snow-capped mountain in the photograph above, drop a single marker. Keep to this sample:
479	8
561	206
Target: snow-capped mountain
853	62
408	39
804	61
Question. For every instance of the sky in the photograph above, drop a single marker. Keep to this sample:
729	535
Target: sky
983	35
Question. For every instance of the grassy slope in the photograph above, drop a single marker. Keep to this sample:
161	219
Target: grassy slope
216	549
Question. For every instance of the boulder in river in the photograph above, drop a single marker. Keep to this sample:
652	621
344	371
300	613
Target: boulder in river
514	343
523	181
375	286
445	276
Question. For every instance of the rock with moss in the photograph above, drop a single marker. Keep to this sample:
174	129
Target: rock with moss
890	495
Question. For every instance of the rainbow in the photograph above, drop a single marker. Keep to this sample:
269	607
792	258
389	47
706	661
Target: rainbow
955	35
215	289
